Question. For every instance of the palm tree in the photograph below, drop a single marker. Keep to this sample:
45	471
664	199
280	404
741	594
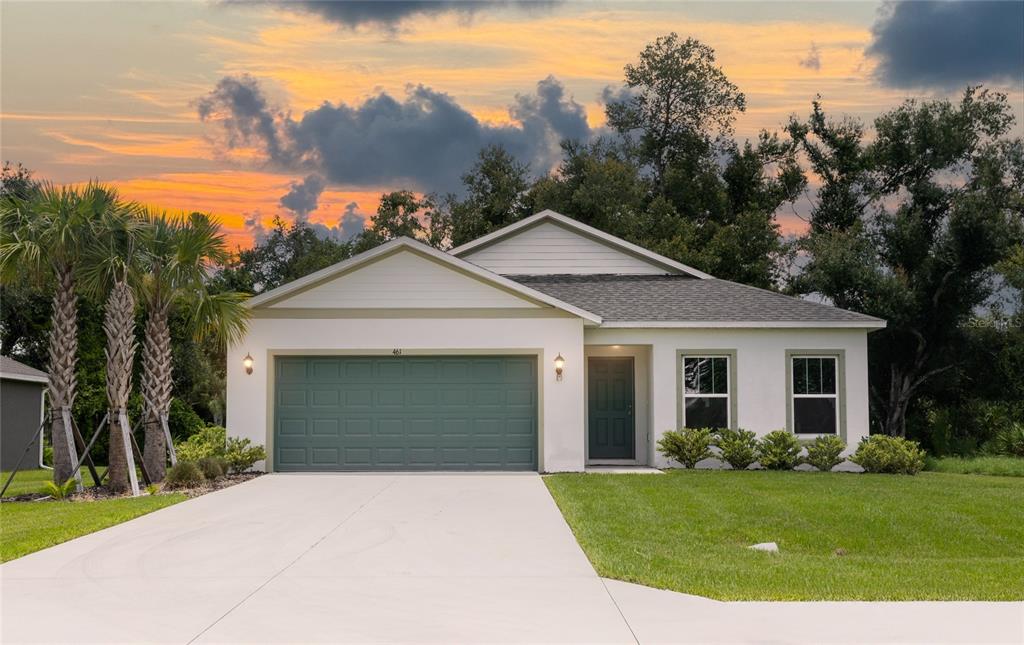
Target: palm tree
111	267
177	253
44	235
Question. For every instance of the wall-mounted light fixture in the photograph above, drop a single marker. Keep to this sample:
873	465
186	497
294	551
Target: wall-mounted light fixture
559	364
247	362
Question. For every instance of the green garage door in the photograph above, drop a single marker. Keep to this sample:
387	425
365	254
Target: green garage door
405	413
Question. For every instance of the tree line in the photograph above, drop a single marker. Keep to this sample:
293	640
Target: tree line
917	219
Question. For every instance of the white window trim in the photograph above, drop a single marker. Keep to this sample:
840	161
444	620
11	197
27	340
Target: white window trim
695	395
794	396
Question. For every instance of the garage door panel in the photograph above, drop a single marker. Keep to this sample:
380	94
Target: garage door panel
325	428
406	413
292	398
291	369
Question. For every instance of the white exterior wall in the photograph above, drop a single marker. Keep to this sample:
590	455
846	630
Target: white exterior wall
548	249
561	403
760	371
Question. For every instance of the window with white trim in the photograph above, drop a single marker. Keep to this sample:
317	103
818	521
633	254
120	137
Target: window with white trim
815	401
706	392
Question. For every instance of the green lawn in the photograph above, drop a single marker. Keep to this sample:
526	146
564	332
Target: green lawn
26	527
31	481
934	536
1005	466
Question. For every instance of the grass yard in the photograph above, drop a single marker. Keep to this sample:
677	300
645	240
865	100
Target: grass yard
26	527
842	536
1004	466
31	481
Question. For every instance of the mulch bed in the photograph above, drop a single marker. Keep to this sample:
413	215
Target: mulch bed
95	493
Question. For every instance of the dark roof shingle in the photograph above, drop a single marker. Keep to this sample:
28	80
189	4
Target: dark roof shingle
674	298
10	368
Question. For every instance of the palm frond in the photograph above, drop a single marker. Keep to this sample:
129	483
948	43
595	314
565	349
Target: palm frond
222	316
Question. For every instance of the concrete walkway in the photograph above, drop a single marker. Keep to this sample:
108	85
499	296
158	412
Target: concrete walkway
400	558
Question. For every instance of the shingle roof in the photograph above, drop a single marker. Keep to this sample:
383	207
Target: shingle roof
12	369
682	299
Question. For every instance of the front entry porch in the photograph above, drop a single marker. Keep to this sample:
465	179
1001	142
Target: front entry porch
617	389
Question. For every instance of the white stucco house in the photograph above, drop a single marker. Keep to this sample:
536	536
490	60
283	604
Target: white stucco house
547	345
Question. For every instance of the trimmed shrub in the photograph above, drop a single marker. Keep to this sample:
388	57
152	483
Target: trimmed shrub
778	450
208	442
1008	441
884	454
240	455
184	474
824	453
738	447
687	446
182	420
211	467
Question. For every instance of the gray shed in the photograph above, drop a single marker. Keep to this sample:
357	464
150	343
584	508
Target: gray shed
21	411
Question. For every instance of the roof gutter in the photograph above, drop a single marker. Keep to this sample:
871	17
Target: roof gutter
743	324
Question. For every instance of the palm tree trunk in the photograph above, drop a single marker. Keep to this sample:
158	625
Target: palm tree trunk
63	350
156	388
119	325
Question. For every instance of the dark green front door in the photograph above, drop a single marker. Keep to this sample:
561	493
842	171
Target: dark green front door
610	399
405	413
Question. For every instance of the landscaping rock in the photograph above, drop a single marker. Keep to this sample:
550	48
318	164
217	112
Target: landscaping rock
770	547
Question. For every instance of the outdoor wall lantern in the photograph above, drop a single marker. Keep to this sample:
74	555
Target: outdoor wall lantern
559	364
247	362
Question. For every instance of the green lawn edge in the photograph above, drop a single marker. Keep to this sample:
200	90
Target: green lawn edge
27	527
842	536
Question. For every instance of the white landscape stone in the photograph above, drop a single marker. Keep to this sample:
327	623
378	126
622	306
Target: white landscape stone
771	547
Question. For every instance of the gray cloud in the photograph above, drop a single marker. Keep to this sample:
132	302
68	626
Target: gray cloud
390	13
949	44
349	225
239	104
549	108
813	58
254	224
303	196
424	141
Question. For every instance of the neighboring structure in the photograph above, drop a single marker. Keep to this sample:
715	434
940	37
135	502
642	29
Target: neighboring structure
547	345
21	412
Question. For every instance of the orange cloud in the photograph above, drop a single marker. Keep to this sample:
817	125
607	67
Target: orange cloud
235	197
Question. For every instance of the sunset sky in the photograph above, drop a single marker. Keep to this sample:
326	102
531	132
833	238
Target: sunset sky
228	107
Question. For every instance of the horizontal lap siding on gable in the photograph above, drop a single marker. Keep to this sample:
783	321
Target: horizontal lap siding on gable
549	249
404	281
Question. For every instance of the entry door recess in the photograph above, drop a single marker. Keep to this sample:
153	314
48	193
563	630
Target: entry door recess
610	408
369	413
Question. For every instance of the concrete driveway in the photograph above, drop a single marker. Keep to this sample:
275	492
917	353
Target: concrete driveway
323	558
393	558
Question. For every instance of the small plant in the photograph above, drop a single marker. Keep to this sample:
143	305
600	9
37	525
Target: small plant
824	453
738	447
212	467
60	492
184	474
1008	441
778	450
152	489
240	455
687	446
208	442
884	454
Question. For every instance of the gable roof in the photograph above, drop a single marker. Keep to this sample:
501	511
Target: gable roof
406	244
670	266
13	370
681	301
